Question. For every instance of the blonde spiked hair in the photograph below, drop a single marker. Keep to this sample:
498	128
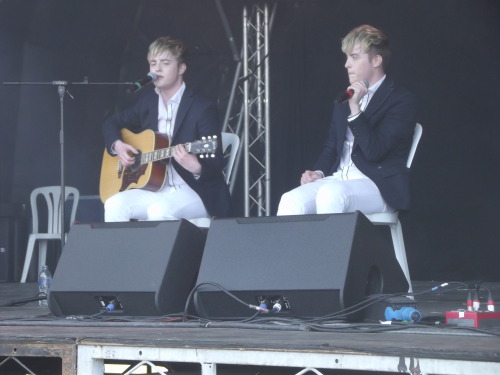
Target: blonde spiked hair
372	41
166	43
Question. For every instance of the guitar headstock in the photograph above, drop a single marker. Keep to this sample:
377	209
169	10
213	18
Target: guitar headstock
206	146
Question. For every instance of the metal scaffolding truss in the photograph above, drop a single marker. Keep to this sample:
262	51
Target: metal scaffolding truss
256	111
248	110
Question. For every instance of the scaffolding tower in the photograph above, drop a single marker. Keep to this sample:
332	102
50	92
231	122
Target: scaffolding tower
248	112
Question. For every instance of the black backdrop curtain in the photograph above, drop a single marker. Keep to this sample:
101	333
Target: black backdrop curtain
446	52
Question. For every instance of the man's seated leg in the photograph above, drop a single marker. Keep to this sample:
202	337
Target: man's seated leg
301	200
129	204
177	202
338	196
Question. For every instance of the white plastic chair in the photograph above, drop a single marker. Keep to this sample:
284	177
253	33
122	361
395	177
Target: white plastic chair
228	140
52	195
392	218
233	141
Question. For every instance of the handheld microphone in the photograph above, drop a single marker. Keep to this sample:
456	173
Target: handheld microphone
349	93
137	85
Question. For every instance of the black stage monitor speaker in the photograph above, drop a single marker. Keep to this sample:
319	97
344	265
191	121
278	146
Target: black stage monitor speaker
306	266
143	268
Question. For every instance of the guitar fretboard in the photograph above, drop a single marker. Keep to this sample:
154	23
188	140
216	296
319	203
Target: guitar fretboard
163	153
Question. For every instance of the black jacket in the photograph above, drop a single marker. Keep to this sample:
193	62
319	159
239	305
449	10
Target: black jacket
383	135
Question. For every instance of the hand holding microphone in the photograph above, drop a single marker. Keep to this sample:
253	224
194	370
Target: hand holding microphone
357	88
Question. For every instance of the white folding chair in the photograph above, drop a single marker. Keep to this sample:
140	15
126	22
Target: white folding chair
392	218
233	141
230	146
52	195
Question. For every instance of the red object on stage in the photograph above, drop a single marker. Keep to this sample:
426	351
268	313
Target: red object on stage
475	319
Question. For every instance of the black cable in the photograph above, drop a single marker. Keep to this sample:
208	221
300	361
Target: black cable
190	296
39	297
245	78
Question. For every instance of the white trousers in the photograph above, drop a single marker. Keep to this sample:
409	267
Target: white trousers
332	195
170	203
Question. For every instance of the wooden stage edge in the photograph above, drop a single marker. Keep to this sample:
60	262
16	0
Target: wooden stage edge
35	342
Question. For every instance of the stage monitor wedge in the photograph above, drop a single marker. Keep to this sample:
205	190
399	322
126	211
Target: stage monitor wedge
311	265
147	268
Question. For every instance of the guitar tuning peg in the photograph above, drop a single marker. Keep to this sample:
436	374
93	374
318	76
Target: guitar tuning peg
212	156
215	137
202	156
203	138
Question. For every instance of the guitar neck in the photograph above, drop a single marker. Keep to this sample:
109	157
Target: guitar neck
156	155
165	153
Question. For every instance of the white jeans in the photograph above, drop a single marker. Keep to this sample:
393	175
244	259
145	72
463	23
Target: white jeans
332	195
170	203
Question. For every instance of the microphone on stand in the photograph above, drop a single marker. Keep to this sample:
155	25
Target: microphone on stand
349	93
139	84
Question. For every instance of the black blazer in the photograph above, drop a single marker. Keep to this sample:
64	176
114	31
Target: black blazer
196	117
383	135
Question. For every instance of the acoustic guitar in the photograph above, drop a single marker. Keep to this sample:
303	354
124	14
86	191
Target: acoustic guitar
147	172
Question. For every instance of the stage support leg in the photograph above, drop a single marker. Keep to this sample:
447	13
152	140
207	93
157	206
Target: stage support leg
208	368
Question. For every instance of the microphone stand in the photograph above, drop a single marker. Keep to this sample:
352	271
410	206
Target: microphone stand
62	90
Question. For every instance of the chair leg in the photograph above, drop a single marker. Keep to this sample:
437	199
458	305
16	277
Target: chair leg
400	251
27	260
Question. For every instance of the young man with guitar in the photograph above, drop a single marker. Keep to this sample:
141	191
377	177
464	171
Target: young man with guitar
142	177
363	162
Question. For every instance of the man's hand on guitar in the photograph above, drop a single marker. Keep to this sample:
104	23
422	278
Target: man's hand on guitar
186	160
125	153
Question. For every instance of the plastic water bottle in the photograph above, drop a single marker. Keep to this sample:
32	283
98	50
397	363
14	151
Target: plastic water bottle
44	281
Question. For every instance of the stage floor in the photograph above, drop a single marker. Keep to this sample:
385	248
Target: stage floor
31	338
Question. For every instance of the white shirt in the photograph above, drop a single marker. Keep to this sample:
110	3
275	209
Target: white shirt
166	121
347	169
168	114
